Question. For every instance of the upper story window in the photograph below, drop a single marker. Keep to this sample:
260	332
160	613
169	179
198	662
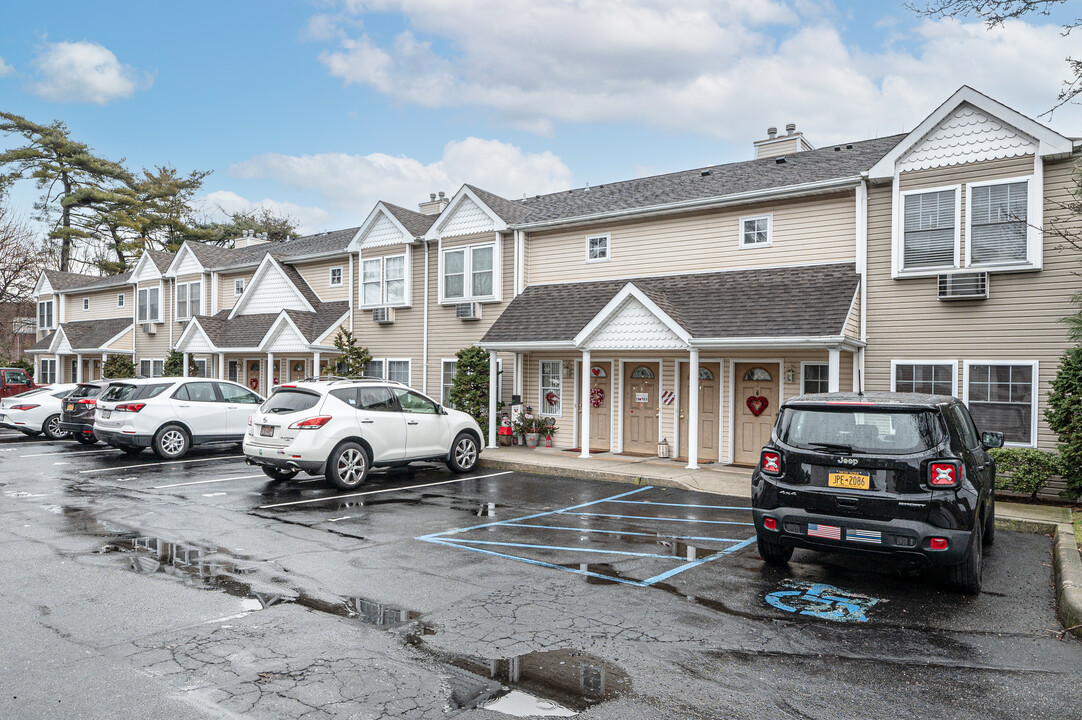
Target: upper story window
148	305
469	273
383	281
757	231
86	304
45	315
120	300
238	287
597	248
336	277
188	299
929	229
998	222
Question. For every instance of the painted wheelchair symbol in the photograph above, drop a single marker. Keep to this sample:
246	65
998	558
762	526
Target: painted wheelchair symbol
822	601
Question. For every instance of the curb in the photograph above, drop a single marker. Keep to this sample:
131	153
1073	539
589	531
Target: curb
577	473
1068	571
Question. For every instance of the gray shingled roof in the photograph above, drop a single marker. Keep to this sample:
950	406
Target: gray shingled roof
69	280
104	283
44	343
509	211
301	284
87	334
160	258
416	223
811	300
242	331
318	244
312	325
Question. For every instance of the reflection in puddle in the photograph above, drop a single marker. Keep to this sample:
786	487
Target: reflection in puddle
596	569
381	614
682	550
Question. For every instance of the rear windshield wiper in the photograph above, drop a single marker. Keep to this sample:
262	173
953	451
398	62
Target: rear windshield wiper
833	446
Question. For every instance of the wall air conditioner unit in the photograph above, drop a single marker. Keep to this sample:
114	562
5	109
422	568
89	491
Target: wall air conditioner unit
150	328
383	316
468	311
963	286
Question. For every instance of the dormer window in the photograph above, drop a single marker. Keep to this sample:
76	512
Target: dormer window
998	223
930	229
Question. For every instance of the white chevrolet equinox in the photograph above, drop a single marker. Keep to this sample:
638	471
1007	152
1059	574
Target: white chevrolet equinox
172	414
342	428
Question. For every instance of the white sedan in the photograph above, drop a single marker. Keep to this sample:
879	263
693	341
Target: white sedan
36	411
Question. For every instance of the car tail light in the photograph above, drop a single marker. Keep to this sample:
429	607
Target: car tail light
944	474
770	523
24	407
87	401
938	544
312	423
130	407
770	462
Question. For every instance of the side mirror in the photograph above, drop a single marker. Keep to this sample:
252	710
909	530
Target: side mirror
992	440
441	410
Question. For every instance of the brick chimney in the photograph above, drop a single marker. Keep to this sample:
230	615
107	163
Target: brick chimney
775	145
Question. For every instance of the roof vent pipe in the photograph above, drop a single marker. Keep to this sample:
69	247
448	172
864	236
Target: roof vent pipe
771	132
790	128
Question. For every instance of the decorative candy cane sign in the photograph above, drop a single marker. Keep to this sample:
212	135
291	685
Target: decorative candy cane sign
667	397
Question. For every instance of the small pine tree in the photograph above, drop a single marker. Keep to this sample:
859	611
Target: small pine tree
469	388
118	366
174	365
1064	416
354	358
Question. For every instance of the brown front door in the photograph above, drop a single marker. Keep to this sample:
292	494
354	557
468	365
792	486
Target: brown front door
756	402
709	415
600	405
641	404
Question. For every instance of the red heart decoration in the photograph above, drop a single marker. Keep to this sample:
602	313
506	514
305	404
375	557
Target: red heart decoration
757	403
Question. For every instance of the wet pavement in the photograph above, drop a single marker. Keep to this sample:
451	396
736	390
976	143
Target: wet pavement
199	588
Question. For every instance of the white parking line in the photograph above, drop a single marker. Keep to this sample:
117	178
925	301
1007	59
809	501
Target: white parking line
75	452
206	482
121	468
386	490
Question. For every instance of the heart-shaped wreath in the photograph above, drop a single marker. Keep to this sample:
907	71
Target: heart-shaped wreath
757	403
597	397
552	397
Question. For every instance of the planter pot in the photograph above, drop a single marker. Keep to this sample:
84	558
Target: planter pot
531	439
504	440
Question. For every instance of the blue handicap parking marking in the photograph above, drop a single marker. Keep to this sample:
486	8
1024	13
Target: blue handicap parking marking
731	537
822	601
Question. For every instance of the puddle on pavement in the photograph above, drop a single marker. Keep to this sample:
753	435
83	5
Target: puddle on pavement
596	569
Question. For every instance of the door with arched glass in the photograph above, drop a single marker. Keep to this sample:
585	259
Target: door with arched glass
756	407
641	404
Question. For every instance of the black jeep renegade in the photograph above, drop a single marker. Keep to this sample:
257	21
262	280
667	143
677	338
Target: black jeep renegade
896	475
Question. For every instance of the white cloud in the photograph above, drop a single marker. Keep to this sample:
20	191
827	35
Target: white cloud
84	72
726	69
5	69
219	205
353	183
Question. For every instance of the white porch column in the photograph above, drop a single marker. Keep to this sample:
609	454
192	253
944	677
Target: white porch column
78	368
184	372
518	380
856	372
104	357
315	360
270	370
693	410
834	370
493	388
37	369
584	404
221	365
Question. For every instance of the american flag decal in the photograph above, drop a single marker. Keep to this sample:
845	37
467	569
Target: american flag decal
867	536
830	532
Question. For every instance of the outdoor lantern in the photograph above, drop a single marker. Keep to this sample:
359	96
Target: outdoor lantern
790	375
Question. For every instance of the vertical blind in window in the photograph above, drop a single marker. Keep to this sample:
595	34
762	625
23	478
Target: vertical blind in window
1001	399
399	371
930	379
929	229
998	222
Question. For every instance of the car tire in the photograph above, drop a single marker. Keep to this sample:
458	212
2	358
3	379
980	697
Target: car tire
279	474
347	467
464	454
171	442
774	553
990	522
966	576
51	428
85	439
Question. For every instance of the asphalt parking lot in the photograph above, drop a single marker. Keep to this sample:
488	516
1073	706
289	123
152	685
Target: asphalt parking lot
199	588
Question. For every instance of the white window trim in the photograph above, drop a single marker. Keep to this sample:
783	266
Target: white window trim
86	304
805	363
52	315
206	368
541	390
898	231
50	377
952	363
120	300
443	362
187	298
148	319
409	366
1033	394
608	247
407	273
238	293
769	217
467	278
1033	224
341	276
139	365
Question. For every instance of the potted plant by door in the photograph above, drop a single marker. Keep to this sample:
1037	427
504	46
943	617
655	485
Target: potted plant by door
548	429
530	428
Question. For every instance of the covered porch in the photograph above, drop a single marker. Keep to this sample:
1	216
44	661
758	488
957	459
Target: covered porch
77	351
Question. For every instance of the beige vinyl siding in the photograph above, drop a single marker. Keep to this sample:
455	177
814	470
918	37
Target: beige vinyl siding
852	322
102	305
815	230
226	299
124	342
404	339
157	346
318	277
1018	322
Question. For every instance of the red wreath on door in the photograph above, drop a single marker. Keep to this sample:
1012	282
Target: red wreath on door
253	383
597	397
757	403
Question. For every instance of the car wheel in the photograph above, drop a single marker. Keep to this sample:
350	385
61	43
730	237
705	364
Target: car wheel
463	457
773	553
348	466
51	428
86	439
279	474
966	576
171	442
990	523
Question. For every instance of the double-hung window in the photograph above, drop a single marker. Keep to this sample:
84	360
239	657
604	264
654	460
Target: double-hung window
923	377
371	287
399	371
394	280
188	300
151	368
756	231
48	372
929	229
551	375
597	248
148	310
1002	398
374	369
45	315
998	223
448	379
469	273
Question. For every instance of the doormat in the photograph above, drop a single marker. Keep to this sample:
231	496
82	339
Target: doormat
578	450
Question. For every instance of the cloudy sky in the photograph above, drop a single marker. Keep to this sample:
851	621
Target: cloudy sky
320	108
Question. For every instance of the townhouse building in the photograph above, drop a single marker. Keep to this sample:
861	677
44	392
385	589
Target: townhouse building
684	307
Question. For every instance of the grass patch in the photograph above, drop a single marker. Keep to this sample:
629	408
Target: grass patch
1076	516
